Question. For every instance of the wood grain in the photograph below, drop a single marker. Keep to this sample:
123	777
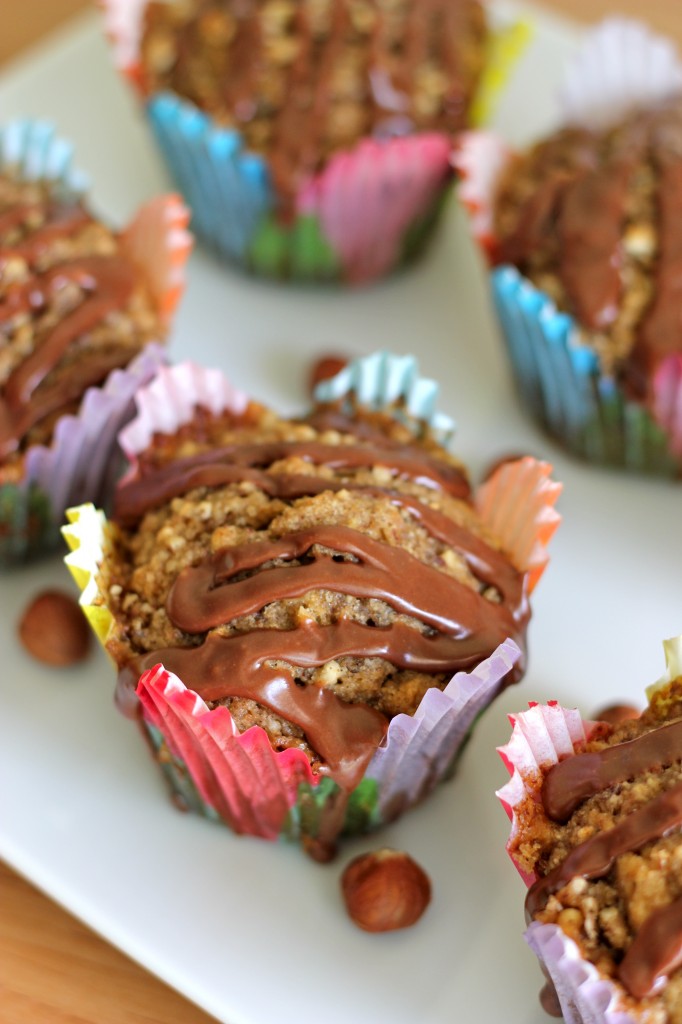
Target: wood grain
53	970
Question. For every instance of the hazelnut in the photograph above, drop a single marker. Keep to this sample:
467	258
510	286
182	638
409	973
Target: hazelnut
385	890
324	368
549	1001
54	630
614	714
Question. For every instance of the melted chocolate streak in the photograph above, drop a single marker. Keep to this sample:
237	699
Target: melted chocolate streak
589	207
299	139
572	781
657	948
467	626
235	463
107	282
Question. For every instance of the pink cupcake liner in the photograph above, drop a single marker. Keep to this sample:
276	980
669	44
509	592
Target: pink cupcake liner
667	401
249	785
541	737
253	788
170	400
367	198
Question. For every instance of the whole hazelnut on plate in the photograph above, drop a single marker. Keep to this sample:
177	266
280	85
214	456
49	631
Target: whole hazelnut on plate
323	368
54	630
614	714
385	890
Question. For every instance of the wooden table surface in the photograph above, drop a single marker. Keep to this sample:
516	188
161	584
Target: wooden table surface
53	970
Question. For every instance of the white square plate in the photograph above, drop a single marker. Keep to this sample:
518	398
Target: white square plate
255	932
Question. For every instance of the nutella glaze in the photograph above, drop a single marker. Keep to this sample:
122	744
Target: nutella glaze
577	215
461	626
314	78
656	949
106	284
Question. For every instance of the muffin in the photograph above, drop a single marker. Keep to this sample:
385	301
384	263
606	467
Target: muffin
596	811
83	310
580	230
308	615
311	140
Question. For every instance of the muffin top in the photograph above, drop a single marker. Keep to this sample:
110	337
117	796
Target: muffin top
304	80
593	220
314	576
604	838
72	308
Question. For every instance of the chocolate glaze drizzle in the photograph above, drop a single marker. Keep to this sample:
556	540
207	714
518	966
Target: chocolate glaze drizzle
366	78
236	462
107	283
572	781
581	198
657	947
459	626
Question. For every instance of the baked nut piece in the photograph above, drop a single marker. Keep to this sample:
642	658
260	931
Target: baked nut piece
83	310
314	584
312	139
597	834
581	233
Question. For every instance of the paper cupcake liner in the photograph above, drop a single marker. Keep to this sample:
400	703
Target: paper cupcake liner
79	463
33	151
238	779
559	378
387	381
560	381
368	211
541	737
621	66
353	221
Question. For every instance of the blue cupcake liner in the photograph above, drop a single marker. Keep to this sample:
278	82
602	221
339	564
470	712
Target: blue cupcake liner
384	381
32	151
227	188
561	383
235	204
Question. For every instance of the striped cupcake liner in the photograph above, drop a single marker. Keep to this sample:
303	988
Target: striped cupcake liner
560	382
359	218
237	778
368	211
541	737
79	464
